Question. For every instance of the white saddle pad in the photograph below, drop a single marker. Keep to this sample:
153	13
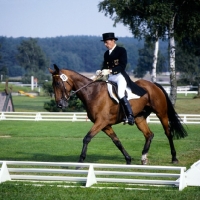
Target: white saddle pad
128	90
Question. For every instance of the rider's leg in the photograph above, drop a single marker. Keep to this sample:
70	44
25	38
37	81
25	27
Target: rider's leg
121	83
128	111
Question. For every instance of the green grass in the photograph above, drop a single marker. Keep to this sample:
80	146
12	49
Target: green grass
187	104
62	142
13	191
28	104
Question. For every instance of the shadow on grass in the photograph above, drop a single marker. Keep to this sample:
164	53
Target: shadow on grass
91	158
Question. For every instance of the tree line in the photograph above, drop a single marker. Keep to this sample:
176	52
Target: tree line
33	56
80	53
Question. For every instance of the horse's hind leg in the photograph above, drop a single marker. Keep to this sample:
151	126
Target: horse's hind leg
165	124
143	127
109	131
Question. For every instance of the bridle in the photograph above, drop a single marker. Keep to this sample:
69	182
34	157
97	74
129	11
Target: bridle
64	78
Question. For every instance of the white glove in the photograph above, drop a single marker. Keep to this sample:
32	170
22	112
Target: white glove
105	72
98	72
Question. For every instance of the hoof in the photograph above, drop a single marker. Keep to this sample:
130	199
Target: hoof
175	161
128	160
144	162
79	167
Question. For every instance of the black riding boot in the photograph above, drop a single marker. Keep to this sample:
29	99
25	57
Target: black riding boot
128	111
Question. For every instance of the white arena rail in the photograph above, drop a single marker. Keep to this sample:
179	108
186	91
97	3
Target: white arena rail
91	173
79	116
183	89
44	116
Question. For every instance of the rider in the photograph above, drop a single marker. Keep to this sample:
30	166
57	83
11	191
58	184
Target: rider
115	61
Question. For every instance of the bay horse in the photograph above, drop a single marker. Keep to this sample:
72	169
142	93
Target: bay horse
105	112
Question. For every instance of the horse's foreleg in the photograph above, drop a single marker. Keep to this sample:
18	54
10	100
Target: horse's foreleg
143	127
93	131
109	131
86	141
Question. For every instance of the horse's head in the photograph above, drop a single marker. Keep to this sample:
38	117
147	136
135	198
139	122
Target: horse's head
61	86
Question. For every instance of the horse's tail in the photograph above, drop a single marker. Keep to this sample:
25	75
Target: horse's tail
176	127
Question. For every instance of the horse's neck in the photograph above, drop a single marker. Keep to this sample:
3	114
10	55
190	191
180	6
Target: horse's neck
79	81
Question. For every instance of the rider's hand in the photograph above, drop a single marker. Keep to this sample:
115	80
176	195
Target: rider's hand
105	72
98	72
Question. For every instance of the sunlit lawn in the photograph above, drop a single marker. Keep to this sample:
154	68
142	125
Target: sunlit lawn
62	142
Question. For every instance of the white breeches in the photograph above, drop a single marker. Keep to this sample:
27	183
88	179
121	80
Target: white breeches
121	83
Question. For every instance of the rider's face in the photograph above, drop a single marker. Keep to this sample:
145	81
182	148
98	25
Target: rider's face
109	43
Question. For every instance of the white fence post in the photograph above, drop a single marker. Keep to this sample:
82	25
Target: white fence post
182	180
4	173
91	178
38	117
74	118
2	116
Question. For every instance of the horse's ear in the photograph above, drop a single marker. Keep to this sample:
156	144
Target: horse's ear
51	70
56	68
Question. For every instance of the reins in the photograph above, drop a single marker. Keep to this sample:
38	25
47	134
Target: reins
64	79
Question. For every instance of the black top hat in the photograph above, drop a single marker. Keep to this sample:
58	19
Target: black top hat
109	36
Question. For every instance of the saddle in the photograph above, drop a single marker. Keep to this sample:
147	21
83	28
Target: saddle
112	90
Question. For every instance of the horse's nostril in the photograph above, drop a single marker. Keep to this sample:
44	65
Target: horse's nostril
59	106
62	103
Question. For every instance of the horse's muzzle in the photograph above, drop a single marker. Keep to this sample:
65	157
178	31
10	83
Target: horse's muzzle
62	103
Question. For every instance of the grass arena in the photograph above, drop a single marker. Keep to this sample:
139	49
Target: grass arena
62	142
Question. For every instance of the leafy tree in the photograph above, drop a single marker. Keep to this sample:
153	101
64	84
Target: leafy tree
4	72
0	54
51	106
15	70
48	89
188	65
74	105
8	52
3	69
188	30
31	57
155	19
65	52
145	61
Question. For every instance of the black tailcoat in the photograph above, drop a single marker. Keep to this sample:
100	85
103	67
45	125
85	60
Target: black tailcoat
117	61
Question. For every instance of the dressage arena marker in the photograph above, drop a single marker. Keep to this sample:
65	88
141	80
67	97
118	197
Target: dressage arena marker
92	173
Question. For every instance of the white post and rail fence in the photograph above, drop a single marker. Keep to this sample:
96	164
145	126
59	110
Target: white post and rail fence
92	173
79	116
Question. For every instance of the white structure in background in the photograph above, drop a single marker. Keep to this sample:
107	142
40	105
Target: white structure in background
32	82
